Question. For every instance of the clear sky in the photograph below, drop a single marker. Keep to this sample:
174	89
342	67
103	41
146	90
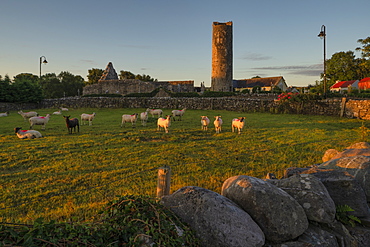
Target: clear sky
172	39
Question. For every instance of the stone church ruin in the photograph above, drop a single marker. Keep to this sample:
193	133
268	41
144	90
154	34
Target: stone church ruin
109	83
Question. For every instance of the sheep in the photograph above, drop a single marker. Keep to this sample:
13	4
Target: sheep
144	118
71	123
57	113
87	117
63	109
4	114
164	123
158	112
27	115
204	122
218	124
178	113
129	119
237	123
24	134
39	121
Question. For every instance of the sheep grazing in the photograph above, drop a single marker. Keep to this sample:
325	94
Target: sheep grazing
158	112
164	123
144	118
204	122
218	124
87	117
63	109
57	113
24	134
39	121
72	124
237	124
27	115
129	119
4	114
178	113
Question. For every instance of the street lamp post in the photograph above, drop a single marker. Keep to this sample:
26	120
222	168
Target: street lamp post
322	35
41	62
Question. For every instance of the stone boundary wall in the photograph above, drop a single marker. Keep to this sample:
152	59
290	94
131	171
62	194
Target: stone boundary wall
330	107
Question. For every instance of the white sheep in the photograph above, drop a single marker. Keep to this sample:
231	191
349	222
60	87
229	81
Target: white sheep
204	122
164	123
129	119
158	112
178	113
87	117
144	118
39	121
23	134
218	124
237	124
57	113
63	109
4	114
27	115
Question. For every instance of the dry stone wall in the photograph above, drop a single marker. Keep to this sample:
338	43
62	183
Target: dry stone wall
329	107
358	109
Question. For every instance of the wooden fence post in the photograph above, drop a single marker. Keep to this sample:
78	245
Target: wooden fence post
164	181
343	106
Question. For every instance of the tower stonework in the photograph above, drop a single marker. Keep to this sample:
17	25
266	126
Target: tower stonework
222	57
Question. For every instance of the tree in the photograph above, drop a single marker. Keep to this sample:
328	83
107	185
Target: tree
342	66
51	86
129	75
126	75
365	49
94	76
5	89
26	88
72	85
365	54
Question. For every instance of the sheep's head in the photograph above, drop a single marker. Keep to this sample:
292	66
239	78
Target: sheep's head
17	129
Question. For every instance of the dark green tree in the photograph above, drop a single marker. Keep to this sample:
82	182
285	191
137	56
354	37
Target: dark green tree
51	86
94	76
365	54
126	75
5	89
342	66
129	75
72	85
26	88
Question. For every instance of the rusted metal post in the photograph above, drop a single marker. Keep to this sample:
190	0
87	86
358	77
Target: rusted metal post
164	181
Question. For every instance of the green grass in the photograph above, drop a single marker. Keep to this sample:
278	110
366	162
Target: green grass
68	177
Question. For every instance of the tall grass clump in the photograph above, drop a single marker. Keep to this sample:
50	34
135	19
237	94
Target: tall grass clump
70	177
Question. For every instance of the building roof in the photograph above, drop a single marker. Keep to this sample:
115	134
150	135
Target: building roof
366	79
343	84
257	82
109	73
364	83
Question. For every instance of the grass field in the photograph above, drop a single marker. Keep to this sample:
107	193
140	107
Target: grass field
72	176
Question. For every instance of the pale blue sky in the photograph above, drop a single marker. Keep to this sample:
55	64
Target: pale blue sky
172	39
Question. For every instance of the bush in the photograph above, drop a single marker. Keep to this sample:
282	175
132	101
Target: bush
127	221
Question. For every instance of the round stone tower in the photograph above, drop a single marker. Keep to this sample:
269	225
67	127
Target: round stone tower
222	57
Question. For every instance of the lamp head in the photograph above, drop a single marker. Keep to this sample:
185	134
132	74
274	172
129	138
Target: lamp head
44	61
321	35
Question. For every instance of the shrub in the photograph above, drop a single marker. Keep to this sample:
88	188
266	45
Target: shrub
127	221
